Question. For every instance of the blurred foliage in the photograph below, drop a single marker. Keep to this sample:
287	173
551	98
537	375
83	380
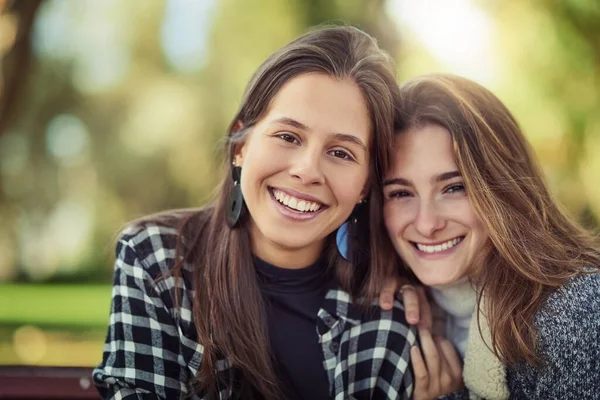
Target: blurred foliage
112	109
552	48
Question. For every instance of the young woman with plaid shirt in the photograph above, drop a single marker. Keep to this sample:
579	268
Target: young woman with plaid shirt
267	291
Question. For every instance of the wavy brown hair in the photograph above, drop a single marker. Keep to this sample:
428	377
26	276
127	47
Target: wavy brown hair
229	312
534	246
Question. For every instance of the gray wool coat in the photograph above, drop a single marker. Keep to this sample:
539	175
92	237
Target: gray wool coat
568	327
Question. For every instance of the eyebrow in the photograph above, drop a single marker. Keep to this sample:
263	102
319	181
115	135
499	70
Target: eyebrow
291	122
447	176
344	137
397	181
405	182
350	138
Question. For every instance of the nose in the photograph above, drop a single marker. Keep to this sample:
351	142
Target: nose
307	168
428	220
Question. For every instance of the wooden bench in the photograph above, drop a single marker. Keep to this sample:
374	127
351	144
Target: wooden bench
68	383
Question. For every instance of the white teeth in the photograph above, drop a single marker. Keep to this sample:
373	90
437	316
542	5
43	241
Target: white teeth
294	203
301	205
439	247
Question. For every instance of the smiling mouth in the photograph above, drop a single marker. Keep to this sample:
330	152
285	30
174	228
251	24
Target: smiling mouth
295	204
438	248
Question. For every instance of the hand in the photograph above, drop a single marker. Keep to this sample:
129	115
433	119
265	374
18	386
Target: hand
441	372
409	295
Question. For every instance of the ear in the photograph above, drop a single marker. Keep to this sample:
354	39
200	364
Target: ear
236	127
364	194
240	147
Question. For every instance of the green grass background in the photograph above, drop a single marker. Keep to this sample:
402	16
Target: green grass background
72	320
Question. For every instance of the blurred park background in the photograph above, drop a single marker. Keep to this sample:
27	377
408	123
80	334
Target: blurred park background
112	109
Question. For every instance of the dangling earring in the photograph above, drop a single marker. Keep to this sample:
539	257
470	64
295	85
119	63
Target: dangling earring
341	237
235	202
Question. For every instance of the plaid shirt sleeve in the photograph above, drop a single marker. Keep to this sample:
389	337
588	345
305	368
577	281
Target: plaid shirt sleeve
367	352
143	356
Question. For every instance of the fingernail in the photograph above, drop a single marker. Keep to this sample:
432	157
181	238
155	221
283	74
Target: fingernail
406	287
413	317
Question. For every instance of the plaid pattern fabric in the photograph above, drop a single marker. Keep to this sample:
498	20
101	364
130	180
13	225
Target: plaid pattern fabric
151	350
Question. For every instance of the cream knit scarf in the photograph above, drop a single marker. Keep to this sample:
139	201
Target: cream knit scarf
483	373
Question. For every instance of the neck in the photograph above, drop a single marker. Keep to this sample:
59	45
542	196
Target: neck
457	299
285	257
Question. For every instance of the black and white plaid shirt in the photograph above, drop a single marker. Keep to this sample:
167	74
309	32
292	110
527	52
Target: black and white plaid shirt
151	351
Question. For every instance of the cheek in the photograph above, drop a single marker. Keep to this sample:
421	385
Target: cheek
257	167
470	218
346	194
347	184
481	231
395	217
474	223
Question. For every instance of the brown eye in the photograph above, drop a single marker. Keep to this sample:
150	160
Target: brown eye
341	154
288	138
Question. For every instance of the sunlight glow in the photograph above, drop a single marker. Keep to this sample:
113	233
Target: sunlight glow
456	32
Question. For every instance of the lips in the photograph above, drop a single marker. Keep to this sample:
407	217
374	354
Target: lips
438	247
296	201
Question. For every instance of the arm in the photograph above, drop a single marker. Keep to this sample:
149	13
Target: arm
141	353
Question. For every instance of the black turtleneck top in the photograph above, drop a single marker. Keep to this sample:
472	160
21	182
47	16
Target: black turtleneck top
293	298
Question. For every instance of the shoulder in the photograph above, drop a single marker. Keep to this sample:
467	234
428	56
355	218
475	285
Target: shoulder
568	324
393	320
147	245
568	342
370	349
576	302
144	267
367	316
151	242
387	328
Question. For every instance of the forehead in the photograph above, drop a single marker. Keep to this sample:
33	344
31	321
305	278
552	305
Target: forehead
427	148
324	104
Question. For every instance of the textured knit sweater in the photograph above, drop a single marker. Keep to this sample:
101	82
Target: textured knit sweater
568	340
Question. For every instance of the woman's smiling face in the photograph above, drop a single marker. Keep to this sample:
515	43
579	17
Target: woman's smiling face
305	165
428	214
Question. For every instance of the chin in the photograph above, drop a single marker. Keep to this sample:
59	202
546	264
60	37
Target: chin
437	279
289	242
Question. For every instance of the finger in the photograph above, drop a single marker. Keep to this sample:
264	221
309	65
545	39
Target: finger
425	315
386	297
420	371
431	355
410	299
446	379
451	358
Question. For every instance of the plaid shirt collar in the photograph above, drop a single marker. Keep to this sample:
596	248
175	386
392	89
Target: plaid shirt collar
335	316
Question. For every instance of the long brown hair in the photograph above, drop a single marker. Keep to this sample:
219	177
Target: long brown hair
228	307
535	247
